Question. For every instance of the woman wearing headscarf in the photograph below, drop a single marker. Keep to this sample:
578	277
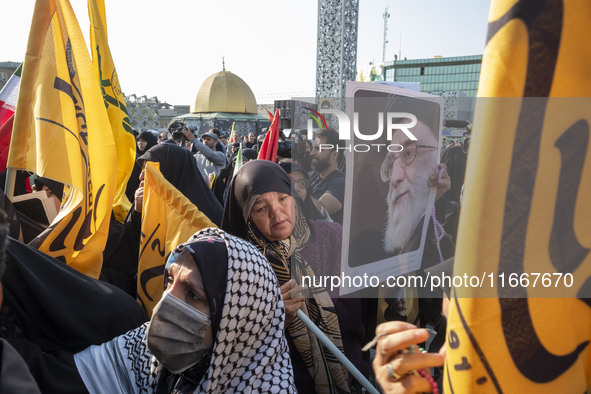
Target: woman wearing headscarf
218	328
178	166
260	209
301	185
144	141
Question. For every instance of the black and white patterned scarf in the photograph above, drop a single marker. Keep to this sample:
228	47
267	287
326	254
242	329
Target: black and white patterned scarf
250	352
330	376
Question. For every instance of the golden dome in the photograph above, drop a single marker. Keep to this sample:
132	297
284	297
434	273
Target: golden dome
225	92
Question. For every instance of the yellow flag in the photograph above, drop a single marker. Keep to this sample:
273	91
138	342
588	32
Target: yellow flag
61	131
168	219
524	227
114	102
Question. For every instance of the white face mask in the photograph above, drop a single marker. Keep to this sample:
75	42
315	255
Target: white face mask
175	334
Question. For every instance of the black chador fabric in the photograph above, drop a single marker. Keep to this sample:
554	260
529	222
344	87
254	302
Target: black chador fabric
119	260
14	374
220	183
179	168
455	160
51	311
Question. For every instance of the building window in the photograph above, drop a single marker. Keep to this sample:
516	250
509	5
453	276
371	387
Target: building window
422	70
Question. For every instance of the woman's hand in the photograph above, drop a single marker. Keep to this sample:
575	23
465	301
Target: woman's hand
443	184
292	303
399	336
139	197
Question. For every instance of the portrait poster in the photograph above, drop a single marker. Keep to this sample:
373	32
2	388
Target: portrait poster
301	112
387	208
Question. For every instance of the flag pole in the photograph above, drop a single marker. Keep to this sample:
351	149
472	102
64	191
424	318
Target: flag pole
10	181
336	352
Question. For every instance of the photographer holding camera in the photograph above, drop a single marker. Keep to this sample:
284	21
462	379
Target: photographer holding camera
176	128
209	159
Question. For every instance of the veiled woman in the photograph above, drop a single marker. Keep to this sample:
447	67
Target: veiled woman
143	142
260	208
217	329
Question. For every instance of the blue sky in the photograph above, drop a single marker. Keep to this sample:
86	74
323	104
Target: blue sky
167	51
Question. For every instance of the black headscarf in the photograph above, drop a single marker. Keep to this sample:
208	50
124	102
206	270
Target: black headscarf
249	154
206	251
179	167
210	256
252	179
150	138
309	209
57	188
134	182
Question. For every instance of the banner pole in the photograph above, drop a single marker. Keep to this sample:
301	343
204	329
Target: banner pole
337	353
10	181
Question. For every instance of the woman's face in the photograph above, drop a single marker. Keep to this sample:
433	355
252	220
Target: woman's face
53	197
300	183
141	144
271	214
185	283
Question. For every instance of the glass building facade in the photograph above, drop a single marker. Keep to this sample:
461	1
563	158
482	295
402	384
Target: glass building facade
438	75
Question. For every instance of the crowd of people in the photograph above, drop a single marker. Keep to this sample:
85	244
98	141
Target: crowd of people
228	318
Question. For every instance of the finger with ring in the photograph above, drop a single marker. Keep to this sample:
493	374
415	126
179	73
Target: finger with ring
393	375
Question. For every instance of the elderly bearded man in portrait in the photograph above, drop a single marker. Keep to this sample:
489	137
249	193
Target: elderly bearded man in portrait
410	175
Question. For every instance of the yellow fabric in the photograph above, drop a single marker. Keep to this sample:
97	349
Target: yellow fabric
526	207
61	131
115	104
168	219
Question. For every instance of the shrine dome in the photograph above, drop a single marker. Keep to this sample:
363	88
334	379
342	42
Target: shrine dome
225	92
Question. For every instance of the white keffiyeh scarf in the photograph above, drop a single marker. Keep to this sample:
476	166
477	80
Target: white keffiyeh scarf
250	353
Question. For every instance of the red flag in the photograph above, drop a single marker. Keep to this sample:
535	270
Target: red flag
270	116
269	148
8	97
5	134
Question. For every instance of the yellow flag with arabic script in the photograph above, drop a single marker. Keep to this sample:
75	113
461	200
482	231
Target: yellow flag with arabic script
168	219
524	227
61	131
114	102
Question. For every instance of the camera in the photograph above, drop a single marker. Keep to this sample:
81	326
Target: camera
298	148
291	149
284	149
176	130
295	148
